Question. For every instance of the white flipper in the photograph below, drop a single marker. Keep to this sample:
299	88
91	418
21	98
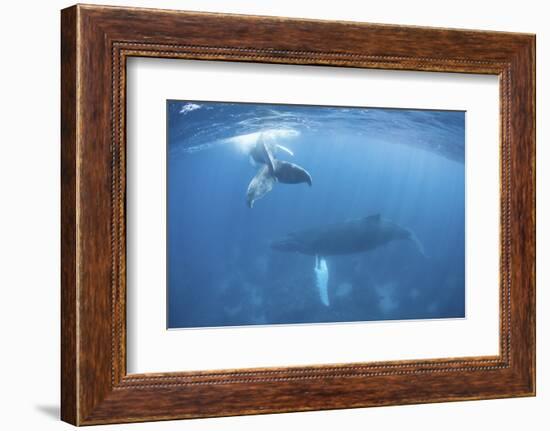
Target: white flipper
285	149
321	279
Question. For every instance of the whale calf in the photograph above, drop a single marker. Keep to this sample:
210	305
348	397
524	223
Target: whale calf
349	237
271	171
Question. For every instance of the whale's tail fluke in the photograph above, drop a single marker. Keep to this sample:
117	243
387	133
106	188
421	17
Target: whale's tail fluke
321	279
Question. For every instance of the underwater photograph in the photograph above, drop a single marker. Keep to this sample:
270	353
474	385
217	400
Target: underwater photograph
300	214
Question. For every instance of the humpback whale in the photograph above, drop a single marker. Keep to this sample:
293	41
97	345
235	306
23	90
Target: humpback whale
271	171
354	236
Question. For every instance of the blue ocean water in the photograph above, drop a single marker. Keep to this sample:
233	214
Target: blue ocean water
405	165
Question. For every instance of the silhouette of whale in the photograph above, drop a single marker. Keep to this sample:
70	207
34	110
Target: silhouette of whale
354	236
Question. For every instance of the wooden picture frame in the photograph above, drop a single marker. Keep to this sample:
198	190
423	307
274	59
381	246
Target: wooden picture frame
95	43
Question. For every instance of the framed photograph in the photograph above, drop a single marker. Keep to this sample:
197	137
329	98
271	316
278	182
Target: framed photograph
265	214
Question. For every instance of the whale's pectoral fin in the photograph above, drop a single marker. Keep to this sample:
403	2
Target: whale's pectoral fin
321	279
285	149
290	173
260	185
